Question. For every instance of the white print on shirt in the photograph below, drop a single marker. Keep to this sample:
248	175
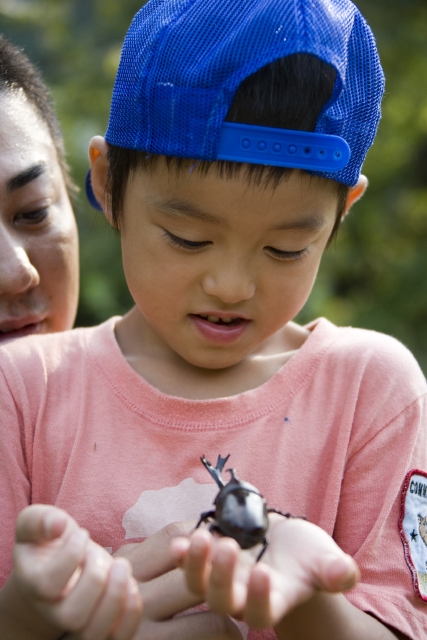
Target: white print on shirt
413	528
156	509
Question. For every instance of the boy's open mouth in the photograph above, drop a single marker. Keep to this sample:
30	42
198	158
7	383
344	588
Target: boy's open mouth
226	321
223	330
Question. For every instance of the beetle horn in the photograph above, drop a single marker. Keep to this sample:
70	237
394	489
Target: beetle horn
216	471
232	472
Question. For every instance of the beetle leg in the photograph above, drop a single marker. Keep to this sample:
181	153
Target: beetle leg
285	515
215	529
205	517
264	547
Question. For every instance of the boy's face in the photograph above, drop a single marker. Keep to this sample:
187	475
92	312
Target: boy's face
200	248
39	270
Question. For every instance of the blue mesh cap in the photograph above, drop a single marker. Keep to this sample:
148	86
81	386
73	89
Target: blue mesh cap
183	60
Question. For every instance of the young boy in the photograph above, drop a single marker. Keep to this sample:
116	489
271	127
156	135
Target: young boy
234	148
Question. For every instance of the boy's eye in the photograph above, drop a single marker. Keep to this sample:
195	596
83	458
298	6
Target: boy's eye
287	255
189	245
32	217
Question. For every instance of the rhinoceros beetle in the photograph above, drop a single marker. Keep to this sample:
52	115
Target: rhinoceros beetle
240	512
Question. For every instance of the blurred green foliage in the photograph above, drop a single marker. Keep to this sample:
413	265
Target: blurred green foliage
374	276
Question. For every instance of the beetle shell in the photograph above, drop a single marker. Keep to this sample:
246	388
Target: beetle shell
241	513
240	510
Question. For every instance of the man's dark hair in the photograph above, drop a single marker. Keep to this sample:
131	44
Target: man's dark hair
18	73
289	93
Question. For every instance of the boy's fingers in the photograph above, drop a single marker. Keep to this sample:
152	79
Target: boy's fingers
131	615
68	559
226	594
178	549
338	572
152	558
312	549
258	613
75	610
272	595
47	577
107	612
197	561
167	595
40	522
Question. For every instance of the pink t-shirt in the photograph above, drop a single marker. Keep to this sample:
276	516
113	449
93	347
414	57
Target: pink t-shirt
331	435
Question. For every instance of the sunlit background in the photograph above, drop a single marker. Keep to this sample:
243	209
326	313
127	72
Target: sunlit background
374	276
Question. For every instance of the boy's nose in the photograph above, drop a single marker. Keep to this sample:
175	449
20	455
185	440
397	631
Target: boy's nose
17	273
230	284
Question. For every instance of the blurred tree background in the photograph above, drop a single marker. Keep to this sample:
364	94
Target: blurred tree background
374	276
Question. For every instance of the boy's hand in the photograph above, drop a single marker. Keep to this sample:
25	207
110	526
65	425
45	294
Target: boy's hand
165	593
70	581
301	559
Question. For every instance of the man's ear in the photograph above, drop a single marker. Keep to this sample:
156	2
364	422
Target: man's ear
98	150
355	193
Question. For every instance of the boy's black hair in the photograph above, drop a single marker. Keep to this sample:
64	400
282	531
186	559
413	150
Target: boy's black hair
289	93
18	73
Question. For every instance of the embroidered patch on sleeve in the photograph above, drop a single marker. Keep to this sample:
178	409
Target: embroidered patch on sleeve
413	528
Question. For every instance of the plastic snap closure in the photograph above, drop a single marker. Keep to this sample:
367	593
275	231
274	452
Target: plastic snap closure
246	143
307	151
277	147
292	148
262	146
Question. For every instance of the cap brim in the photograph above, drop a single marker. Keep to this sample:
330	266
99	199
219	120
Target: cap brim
89	192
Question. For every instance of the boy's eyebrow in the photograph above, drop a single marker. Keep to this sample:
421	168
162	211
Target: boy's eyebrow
312	222
25	177
172	207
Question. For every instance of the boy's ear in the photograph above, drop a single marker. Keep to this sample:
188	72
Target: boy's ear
355	193
98	150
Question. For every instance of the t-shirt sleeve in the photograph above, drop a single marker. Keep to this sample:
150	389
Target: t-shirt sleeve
367	525
15	486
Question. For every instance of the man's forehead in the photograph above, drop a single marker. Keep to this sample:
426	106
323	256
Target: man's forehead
22	127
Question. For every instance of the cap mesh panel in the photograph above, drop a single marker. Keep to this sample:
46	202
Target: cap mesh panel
183	61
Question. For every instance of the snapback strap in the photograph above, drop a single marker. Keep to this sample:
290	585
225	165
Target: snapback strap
282	147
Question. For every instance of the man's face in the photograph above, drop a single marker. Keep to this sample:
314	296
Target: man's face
38	234
198	249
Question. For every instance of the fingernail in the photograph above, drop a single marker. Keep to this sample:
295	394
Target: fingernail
223	555
49	522
348	568
120	571
80	536
199	542
133	587
98	557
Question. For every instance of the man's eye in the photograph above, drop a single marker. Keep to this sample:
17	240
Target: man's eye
32	217
189	245
287	255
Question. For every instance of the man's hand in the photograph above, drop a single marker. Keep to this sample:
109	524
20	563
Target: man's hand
165	593
300	561
69	581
